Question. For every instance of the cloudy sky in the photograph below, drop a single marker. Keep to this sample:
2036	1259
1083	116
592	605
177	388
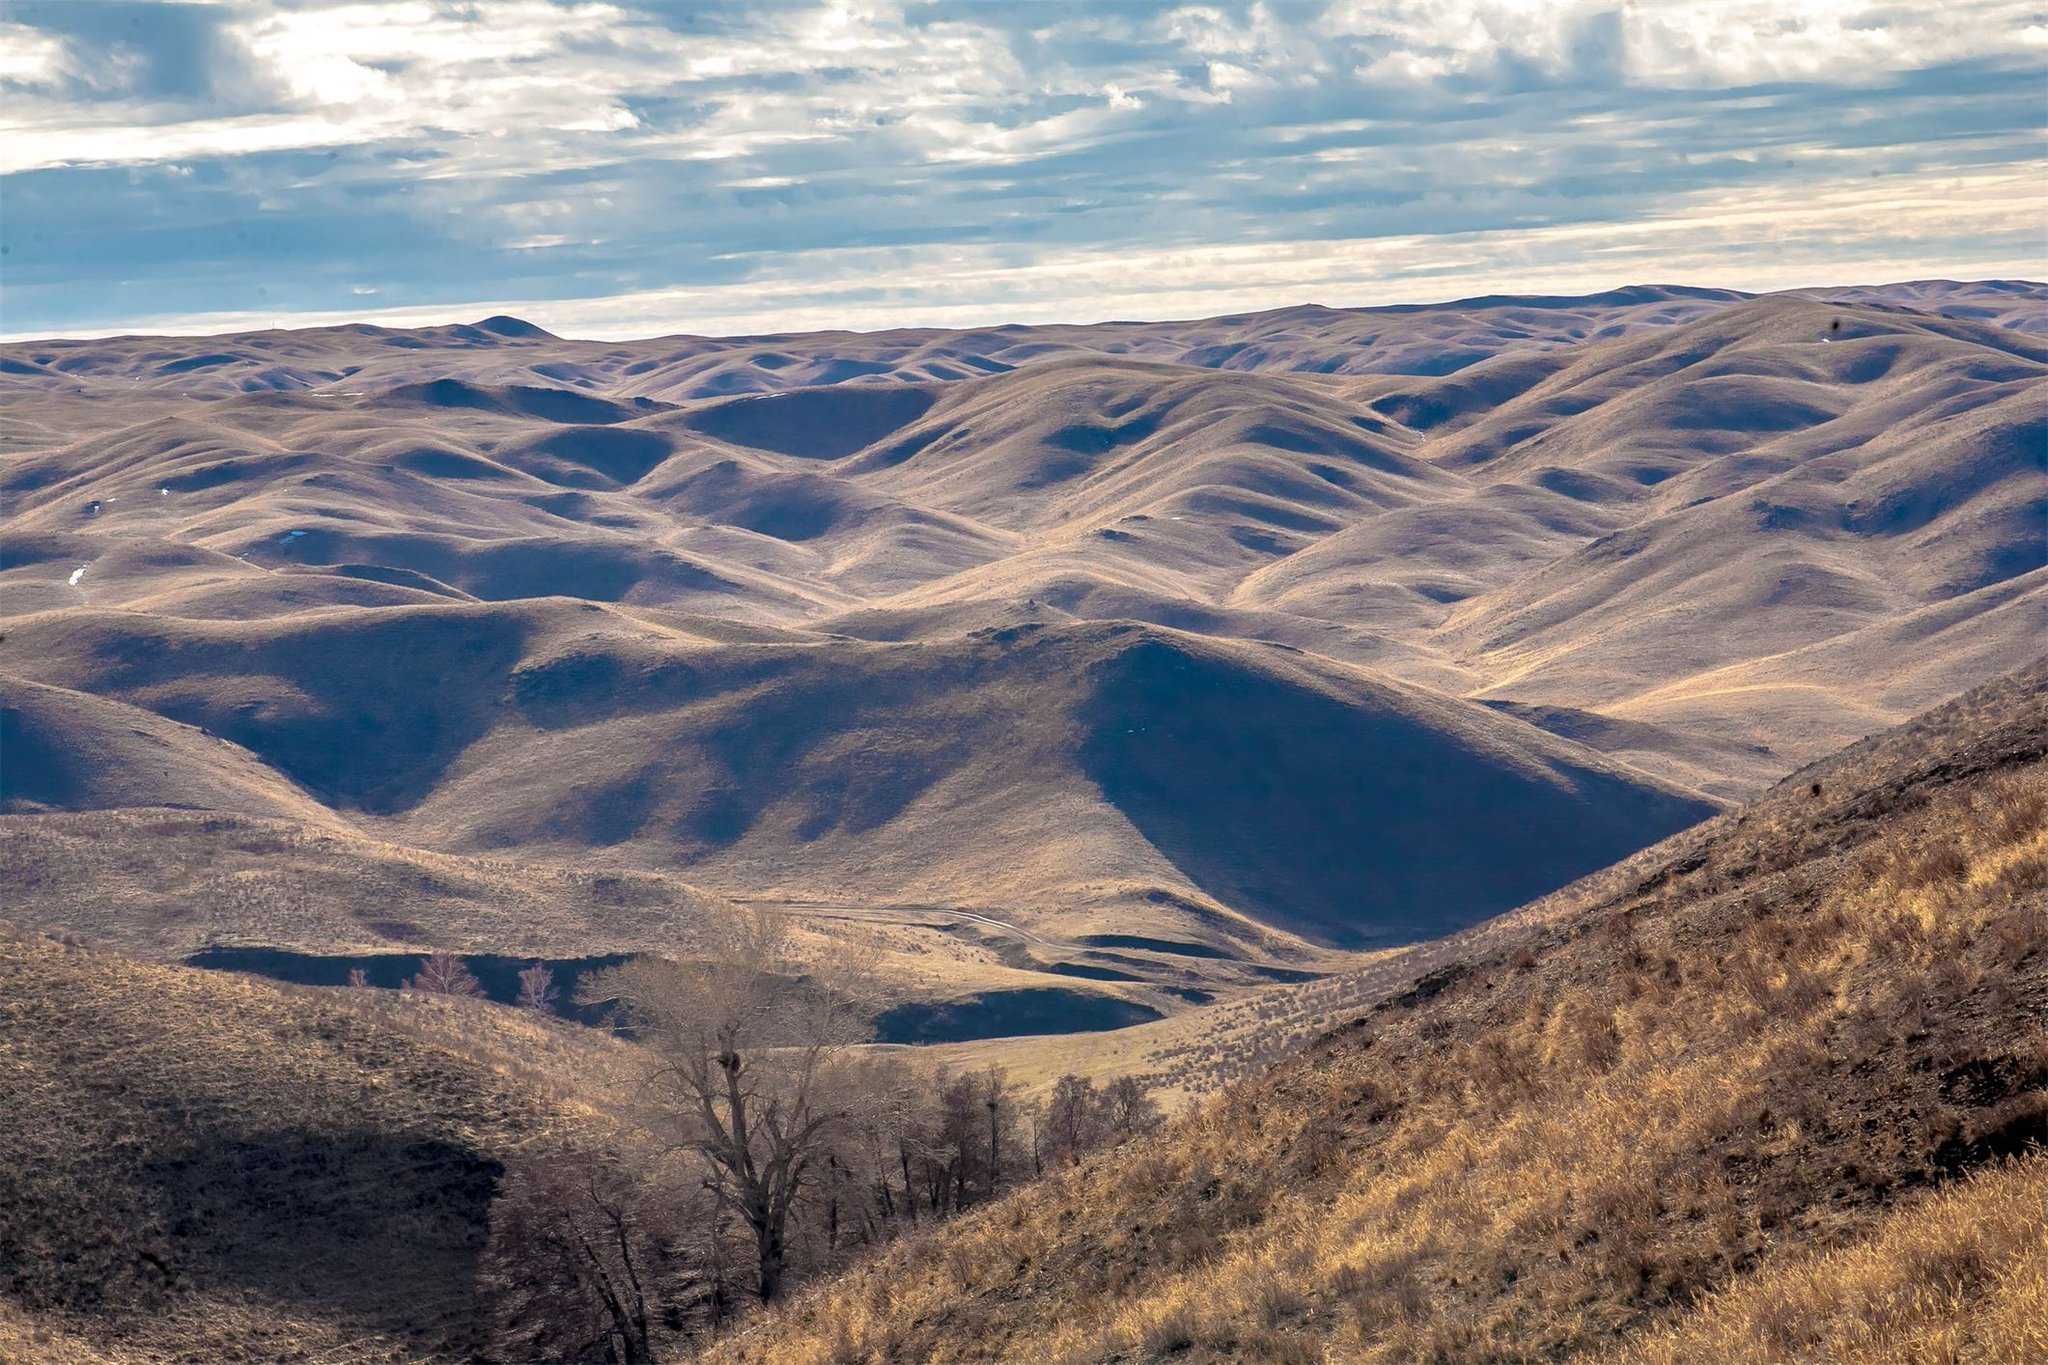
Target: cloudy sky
626	169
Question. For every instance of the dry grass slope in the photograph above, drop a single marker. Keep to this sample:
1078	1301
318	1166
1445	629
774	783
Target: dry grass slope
1750	1071
1960	1276
161	884
198	1166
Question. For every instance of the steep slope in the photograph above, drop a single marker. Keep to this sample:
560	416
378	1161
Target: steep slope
1871	1300
1737	1074
198	1166
69	751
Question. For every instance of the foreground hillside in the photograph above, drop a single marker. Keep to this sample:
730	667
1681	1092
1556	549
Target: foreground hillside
1775	1090
197	1166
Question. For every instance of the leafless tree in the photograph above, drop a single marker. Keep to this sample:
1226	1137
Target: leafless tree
444	974
537	989
1001	1105
1128	1109
874	1148
1072	1114
584	1261
958	1149
358	978
1034	1127
753	1071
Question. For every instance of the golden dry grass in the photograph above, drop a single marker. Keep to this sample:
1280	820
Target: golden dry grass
1808	1029
1962	1276
24	1337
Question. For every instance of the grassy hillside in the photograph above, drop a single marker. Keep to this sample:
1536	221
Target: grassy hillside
163	883
1085	675
1028	767
1771	1089
1961	1275
1777	1089
198	1166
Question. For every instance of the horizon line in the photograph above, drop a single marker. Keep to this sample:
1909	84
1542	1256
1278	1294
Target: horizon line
443	317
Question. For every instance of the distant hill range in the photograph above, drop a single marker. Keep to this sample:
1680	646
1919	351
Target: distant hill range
1271	634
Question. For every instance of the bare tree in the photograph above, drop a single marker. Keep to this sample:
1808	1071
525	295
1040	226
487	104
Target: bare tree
358	978
1072	1114
752	1072
1001	1106
875	1145
959	1142
1128	1109
444	974
1034	1122
537	989
584	1260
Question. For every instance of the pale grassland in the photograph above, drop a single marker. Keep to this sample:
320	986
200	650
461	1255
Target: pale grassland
158	884
1196	1052
161	884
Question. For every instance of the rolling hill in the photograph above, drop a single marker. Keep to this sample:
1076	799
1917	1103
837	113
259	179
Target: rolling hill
979	633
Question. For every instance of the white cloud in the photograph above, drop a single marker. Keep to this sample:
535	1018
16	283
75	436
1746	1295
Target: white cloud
1765	240
554	84
28	56
738	159
1746	42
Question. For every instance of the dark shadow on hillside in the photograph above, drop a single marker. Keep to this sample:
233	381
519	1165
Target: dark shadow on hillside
364	710
367	1225
814	424
36	770
497	974
1355	823
1011	1013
